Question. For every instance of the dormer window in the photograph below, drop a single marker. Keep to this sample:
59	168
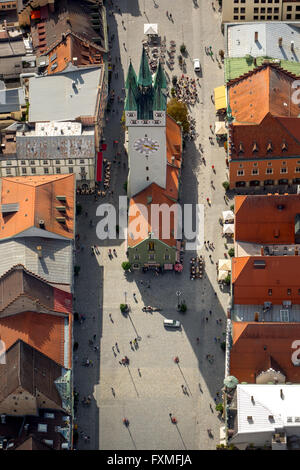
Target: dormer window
284	146
269	147
241	148
255	147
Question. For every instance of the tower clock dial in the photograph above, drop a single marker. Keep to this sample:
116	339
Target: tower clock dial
146	146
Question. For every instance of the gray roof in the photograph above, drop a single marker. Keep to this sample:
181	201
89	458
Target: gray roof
55	266
12	47
64	96
56	147
241	40
11	99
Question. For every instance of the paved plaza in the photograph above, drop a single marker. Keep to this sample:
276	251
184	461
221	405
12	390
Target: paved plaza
151	386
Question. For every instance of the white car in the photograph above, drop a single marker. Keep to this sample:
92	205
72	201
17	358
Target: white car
197	66
172	324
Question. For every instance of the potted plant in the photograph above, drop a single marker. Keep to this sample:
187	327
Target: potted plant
183	48
227	279
124	308
231	252
223	345
232	207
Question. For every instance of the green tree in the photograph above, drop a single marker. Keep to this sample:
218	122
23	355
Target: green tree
183	307
228	277
231	252
225	185
126	265
179	111
219	407
123	307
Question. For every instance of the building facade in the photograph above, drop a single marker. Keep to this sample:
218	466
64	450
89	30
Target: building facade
260	10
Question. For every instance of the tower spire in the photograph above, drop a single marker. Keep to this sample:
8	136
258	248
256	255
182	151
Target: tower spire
160	78
145	77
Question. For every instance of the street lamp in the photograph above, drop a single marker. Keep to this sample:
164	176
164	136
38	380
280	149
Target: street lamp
178	293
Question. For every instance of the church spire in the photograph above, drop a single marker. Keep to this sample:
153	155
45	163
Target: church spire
160	78
131	90
145	78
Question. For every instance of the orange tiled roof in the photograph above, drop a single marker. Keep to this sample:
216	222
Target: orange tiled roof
258	219
36	196
251	285
173	137
281	132
153	194
248	356
41	331
265	89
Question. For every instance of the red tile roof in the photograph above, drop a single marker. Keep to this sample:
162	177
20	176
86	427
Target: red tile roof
251	285
266	219
153	194
265	89
36	196
257	344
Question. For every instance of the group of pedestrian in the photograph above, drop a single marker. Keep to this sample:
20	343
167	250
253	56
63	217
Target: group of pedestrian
134	344
186	90
210	358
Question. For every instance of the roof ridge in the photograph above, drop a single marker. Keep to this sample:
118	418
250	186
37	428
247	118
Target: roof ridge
25	269
278	119
12	301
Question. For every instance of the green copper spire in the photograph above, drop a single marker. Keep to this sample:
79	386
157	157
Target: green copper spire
145	78
160	78
130	102
160	100
131	77
131	90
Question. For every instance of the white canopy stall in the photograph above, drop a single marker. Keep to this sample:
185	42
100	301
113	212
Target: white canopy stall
228	217
228	229
151	29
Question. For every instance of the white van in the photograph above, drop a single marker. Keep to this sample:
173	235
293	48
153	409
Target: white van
172	324
197	66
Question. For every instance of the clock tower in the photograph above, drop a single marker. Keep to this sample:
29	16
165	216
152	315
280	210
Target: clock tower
145	112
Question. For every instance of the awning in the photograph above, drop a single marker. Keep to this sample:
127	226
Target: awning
99	166
168	267
222	275
150	28
220	97
224	265
228	229
228	216
220	128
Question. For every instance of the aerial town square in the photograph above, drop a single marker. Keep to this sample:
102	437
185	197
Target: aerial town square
149	225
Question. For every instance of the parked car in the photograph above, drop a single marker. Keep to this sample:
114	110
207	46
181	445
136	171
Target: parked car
197	65
172	324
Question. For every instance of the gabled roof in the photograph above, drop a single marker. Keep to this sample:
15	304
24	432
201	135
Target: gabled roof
34	199
46	333
151	195
265	89
33	371
272	137
259	279
266	219
19	284
257	346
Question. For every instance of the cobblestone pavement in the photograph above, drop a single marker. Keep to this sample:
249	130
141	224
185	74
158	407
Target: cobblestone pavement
147	398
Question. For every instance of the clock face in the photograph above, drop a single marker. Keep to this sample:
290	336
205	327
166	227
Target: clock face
146	146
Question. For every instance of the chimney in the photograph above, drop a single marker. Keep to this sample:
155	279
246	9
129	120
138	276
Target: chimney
261	251
280	42
256	36
39	250
42	224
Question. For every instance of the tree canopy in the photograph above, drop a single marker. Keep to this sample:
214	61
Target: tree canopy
179	111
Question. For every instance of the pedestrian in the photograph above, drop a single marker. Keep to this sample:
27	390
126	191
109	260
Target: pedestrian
94	337
121	363
197	339
206	319
210	312
167	14
215	339
217	322
139	371
113	391
130	342
220	320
